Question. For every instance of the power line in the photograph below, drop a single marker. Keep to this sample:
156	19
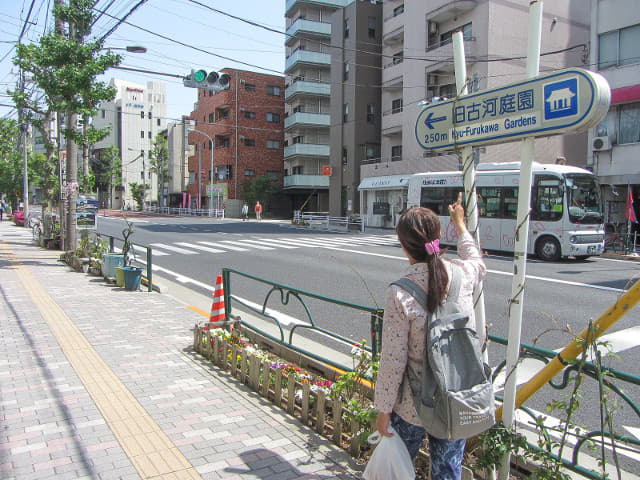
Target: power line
122	20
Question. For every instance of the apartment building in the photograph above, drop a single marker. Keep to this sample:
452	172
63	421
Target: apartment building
332	101
245	123
135	116
418	67
614	146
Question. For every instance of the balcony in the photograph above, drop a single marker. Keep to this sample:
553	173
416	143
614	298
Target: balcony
444	51
307	57
306	150
307	88
291	4
446	9
306	181
307	28
392	123
307	119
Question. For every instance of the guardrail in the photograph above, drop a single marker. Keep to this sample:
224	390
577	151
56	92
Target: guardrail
149	256
603	376
325	221
187	212
610	379
285	294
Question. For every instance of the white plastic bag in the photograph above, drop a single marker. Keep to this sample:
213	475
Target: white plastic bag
390	460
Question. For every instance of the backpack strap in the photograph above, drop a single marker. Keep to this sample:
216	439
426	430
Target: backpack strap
420	295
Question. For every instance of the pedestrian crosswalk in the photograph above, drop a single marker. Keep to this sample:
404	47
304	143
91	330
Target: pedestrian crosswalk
262	243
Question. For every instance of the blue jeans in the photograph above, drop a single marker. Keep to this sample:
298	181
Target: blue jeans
445	455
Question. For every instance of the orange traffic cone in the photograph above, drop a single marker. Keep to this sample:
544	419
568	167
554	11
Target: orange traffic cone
217	308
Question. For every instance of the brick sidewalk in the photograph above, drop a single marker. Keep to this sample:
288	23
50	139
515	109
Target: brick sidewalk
97	382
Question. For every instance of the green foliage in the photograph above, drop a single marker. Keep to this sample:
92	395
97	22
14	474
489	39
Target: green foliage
159	159
137	192
260	189
107	168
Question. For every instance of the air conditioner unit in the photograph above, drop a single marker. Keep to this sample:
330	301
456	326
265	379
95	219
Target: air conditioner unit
600	144
242	109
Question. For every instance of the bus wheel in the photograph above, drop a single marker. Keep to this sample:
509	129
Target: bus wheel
548	249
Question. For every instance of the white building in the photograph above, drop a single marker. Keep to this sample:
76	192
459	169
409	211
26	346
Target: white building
418	65
136	116
615	144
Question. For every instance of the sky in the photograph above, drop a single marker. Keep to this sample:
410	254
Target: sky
196	37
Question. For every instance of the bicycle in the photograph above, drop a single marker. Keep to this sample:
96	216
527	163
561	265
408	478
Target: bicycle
36	228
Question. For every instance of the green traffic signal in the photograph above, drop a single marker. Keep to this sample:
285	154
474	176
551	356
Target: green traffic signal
200	75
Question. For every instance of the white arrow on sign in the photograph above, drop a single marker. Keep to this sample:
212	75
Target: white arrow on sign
571	100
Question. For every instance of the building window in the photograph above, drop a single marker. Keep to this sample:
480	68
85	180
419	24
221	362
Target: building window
298	139
371	113
629	119
103	113
249	114
396	153
249	87
149	115
619	47
346	28
398	58
273	117
192	178
223	172
249	142
223	142
297	170
273	144
273	174
345	116
398	10
141	133
298	108
396	105
142	114
447	37
158	121
345	156
212	118
249	173
274	91
345	77
372	23
150	135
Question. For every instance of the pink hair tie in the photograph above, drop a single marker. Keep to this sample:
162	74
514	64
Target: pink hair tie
432	247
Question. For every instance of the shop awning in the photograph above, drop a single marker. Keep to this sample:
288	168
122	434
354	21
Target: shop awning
384	183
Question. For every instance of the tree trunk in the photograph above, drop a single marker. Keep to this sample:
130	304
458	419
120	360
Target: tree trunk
71	188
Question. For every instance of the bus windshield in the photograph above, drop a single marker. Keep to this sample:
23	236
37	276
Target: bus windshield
583	199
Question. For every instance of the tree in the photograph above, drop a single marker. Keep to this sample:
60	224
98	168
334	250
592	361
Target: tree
260	189
137	192
11	168
65	69
108	170
159	160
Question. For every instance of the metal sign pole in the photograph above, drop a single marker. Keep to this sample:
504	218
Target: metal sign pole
522	237
469	179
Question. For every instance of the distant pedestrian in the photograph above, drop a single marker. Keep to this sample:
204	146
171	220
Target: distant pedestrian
1	210
258	210
245	211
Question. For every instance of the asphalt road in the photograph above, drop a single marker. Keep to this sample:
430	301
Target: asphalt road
560	299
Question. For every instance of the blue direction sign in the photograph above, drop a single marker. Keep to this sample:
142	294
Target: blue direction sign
568	101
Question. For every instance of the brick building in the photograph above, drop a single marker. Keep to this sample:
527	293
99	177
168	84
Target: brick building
246	125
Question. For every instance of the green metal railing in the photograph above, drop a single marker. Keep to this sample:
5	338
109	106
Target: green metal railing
286	294
149	256
591	371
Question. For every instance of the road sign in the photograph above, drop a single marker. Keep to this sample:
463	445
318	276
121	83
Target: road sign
568	101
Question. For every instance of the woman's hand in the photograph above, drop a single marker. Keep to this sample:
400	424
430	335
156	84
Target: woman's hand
382	424
456	212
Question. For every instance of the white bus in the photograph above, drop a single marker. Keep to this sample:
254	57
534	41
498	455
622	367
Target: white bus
566	208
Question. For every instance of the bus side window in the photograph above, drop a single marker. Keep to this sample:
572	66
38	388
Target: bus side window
490	200
510	202
546	199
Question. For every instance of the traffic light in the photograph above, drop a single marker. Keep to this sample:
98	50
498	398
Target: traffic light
212	80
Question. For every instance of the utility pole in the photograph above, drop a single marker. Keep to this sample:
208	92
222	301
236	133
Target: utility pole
23	129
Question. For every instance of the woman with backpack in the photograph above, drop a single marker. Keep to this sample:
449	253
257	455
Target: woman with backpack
403	335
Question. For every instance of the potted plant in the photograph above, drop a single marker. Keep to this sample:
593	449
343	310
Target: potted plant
126	248
130	275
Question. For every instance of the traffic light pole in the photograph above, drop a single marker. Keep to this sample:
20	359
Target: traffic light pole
200	170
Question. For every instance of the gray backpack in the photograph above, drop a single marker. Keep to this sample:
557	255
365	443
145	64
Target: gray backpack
454	397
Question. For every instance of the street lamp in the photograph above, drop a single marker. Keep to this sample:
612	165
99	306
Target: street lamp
200	172
129	48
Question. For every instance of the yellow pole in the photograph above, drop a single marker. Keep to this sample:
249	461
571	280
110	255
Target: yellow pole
574	348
